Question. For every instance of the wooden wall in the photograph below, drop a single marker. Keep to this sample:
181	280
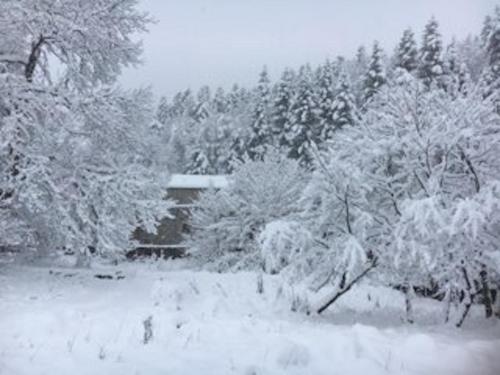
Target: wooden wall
166	242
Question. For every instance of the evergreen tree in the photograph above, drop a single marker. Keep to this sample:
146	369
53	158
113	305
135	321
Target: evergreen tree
464	79
183	104
451	63
492	43
407	52
375	76
220	101
261	132
430	69
344	108
361	58
237	149
326	97
281	106
202	107
357	76
304	122
163	110
486	30
452	68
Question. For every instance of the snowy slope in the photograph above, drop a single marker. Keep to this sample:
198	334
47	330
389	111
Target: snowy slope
69	322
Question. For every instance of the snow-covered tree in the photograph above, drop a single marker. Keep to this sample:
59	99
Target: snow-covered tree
226	223
409	197
407	52
79	167
261	131
210	153
430	67
344	107
326	97
433	176
356	75
375	75
456	78
491	35
304	123
202	109
281	106
221	102
491	40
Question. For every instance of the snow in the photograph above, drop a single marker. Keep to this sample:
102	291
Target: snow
66	321
191	181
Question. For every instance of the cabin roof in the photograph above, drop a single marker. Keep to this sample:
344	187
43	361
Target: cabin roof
192	181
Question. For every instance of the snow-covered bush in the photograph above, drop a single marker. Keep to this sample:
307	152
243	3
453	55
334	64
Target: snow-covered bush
413	190
409	197
282	243
227	222
435	156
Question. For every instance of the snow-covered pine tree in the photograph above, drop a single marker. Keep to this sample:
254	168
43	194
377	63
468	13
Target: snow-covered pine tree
261	136
344	108
491	36
202	108
486	29
281	106
492	46
326	93
375	75
357	75
304	122
221	102
407	52
210	154
163	112
464	81
431	68
456	77
451	59
183	104
234	96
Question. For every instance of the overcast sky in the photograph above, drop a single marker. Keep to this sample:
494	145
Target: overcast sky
219	42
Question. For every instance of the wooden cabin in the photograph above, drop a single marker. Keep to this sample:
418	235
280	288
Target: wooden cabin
184	190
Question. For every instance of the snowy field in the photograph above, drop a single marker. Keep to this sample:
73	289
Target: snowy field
66	321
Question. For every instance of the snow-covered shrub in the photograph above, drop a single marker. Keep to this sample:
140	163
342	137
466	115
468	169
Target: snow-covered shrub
282	243
434	158
409	196
226	223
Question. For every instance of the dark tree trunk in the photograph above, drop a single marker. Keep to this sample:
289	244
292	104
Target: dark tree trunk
348	286
36	50
485	292
468	297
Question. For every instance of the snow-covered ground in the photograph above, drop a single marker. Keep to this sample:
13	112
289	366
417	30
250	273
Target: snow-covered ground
63	321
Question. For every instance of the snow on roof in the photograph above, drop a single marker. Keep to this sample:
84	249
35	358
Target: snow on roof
195	181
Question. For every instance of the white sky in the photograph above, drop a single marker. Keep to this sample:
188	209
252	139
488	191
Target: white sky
219	42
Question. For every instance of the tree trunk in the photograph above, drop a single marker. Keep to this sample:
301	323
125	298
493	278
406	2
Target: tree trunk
347	287
468	297
407	289
485	292
448	298
36	50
